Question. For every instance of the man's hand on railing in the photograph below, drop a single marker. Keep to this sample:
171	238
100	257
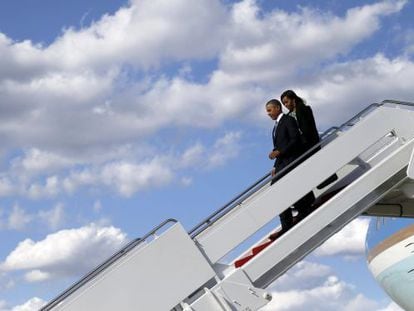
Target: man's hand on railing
274	154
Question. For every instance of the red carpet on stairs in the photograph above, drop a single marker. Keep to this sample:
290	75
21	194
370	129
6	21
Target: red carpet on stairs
256	250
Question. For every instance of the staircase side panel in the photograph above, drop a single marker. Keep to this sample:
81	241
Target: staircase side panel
226	234
326	215
156	277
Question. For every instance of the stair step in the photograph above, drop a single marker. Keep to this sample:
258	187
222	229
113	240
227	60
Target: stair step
258	249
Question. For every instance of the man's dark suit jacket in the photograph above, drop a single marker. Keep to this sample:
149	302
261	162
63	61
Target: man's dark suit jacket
287	141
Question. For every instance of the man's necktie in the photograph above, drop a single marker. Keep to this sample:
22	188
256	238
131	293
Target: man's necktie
274	130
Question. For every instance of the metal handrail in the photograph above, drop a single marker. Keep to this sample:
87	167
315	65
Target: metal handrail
219	213
360	114
125	250
203	225
392	101
332	128
199	228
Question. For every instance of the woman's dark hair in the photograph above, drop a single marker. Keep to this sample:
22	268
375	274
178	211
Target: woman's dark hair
292	95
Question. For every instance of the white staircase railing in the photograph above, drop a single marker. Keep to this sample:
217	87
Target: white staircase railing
370	154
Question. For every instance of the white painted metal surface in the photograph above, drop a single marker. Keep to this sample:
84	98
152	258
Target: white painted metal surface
410	169
236	292
329	218
155	277
174	272
242	222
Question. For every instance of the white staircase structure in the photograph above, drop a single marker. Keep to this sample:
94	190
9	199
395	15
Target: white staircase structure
170	269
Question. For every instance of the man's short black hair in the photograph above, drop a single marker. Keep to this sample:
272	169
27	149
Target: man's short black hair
274	102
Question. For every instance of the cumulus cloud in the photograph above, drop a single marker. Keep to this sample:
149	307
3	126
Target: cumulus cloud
49	189
392	307
355	84
6	187
97	206
350	241
78	109
75	105
18	218
304	275
124	175
33	304
68	252
302	288
35	161
36	276
224	148
81	77
54	217
161	31
127	177
274	46
6	282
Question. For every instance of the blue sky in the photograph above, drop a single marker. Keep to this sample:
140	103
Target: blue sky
116	115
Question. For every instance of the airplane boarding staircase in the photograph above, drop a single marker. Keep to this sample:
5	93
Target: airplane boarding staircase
170	269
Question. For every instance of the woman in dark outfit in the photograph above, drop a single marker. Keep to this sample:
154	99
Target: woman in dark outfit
304	117
309	137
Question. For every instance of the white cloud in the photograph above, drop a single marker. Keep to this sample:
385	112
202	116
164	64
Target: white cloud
70	107
392	307
350	241
36	276
225	148
161	31
355	84
124	175
97	206
327	296
34	304
48	190
6	282
273	46
75	108
64	253
79	178
54	217
37	161
128	178
48	89
193	155
302	288
186	181
18	218
6	187
304	275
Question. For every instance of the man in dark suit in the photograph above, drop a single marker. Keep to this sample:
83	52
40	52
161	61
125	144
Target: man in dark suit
286	148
